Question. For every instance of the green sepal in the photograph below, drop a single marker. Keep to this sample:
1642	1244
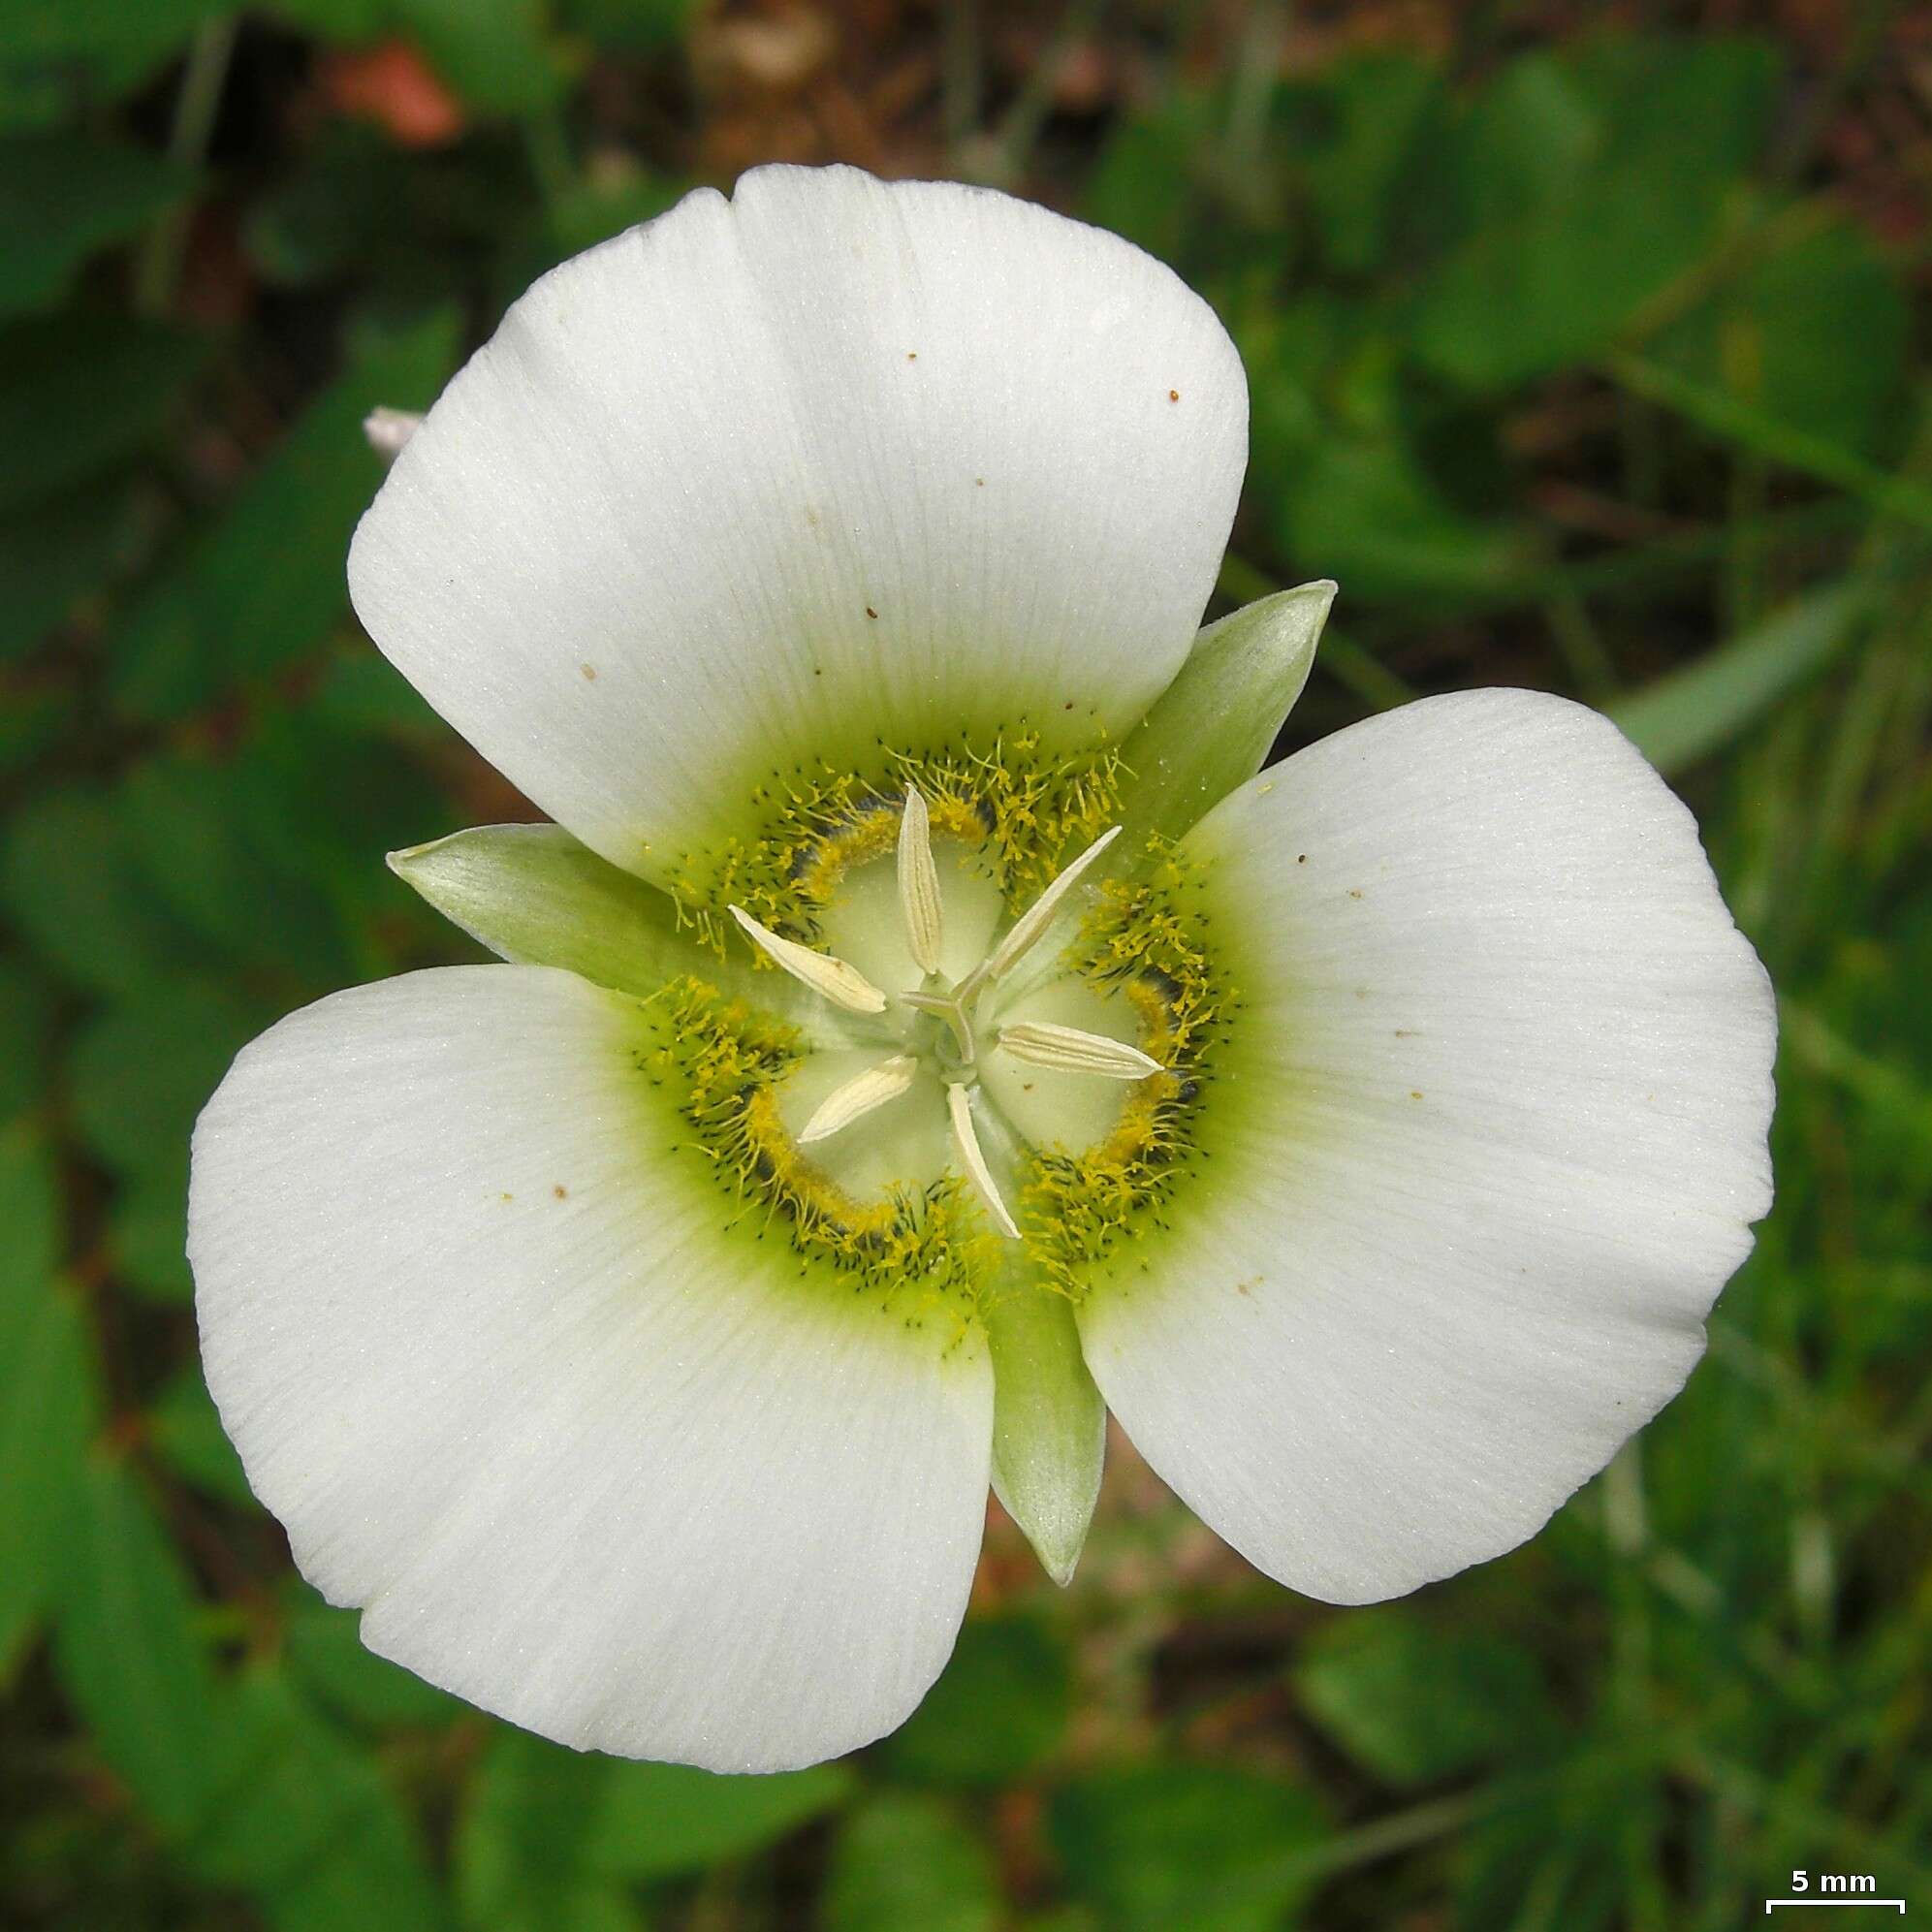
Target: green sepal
1211	729
1049	1421
534	895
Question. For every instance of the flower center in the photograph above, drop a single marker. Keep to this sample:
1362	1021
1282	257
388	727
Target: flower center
946	1030
975	1034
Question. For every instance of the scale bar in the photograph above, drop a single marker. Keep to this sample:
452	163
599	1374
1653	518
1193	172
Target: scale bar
1895	1903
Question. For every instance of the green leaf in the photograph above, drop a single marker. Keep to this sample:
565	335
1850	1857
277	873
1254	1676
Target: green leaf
305	1822
48	1404
141	1071
52	554
187	1434
129	1657
1211	730
1204	1846
332	859
62	55
1588	180
650	1821
362	692
351	20
907	1861
73	882
1049	1422
1413	1702
493	52
1774	337
62	197
262	587
147	1233
31	723
999	1710
1144	184
203	834
79	393
1690	713
518	1846
1371	512
1380	101
30	1243
25	1016
534	895
578	217
630	26
323	1650
1727	416
549	1834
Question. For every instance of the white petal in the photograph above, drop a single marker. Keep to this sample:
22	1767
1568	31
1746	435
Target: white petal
771	480
585	1460
1492	1140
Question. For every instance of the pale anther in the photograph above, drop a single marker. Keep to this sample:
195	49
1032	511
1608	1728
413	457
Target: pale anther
966	1140
388	430
1041	1043
844	985
919	881
874	1088
1039	915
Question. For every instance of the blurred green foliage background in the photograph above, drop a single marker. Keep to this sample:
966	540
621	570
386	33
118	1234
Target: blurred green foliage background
1587	351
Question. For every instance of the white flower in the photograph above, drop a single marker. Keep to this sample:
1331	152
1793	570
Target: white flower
633	1329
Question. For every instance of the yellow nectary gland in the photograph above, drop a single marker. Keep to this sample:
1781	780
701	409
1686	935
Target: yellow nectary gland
1148	938
1026	811
920	1250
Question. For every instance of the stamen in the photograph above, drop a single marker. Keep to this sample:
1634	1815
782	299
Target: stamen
844	985
871	1088
1041	1043
966	1142
388	430
1035	921
919	881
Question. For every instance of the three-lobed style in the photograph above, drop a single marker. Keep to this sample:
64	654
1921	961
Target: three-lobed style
923	1028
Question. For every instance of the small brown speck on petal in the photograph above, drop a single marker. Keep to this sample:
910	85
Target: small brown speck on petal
560	1191
872	614
590	672
1174	396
